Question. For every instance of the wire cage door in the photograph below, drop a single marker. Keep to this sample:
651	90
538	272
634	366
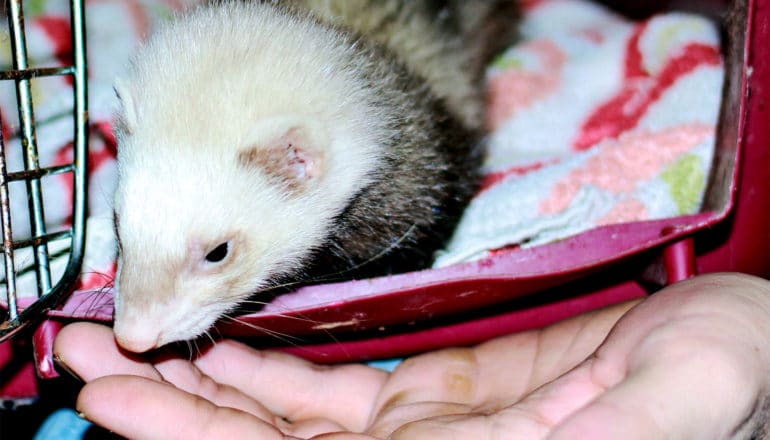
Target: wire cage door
30	253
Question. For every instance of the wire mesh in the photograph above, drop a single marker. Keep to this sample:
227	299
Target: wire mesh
50	292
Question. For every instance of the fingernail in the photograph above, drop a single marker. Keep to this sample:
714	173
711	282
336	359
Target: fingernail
60	365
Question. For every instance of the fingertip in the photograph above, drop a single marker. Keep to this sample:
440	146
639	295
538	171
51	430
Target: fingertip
73	344
132	406
460	426
104	396
71	337
721	283
88	351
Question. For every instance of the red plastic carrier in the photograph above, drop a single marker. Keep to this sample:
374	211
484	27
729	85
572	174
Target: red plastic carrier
526	288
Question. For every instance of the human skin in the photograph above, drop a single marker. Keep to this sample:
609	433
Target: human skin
690	361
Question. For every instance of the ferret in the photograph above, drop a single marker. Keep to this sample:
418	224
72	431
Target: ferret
263	143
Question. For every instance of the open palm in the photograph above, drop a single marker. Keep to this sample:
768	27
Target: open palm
691	361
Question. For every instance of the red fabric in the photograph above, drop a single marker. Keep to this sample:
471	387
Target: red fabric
640	90
17	372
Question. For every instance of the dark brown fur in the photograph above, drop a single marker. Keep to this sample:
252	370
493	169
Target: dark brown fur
431	169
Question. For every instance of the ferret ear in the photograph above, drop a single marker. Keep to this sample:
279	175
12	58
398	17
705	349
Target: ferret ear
288	149
128	115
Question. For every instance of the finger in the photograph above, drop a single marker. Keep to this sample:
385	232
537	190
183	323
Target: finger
532	418
390	421
294	388
316	428
454	427
687	363
343	436
736	301
499	372
89	351
188	378
689	388
137	407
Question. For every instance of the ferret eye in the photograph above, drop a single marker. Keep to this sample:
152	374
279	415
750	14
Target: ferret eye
219	253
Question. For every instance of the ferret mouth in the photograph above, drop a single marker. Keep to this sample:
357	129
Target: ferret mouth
188	333
187	328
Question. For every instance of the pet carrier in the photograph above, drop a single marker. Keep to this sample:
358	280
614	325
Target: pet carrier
516	288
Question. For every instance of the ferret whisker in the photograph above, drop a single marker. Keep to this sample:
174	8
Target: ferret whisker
90	303
340	253
283	337
299	318
282	286
388	249
257	302
197	349
283	313
93	297
211	338
340	274
88	307
189	350
109	278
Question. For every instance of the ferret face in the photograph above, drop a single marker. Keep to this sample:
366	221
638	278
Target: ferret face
203	227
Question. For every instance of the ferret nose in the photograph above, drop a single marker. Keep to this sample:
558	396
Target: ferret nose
137	342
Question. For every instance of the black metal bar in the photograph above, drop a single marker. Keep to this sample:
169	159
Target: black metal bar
35	73
37	241
29	143
22	270
80	186
40	172
7	248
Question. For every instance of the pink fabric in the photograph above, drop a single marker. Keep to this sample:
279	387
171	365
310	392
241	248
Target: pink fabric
595	120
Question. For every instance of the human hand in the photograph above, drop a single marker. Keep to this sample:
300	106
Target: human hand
689	362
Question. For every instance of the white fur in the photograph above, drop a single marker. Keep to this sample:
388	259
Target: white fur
202	89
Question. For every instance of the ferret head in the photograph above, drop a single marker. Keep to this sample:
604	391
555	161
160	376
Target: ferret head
202	229
243	133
